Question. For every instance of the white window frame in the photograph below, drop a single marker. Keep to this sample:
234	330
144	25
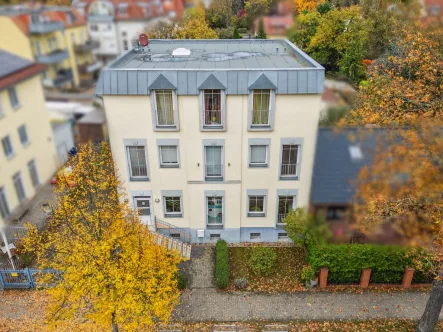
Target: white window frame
168	142
136	142
218	127
292	141
215	193
257	193
285	193
254	236
172	194
271	116
214	143
11	147
32	168
13	97
156	127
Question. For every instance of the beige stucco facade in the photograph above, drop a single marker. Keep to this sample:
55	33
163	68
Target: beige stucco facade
32	113
296	117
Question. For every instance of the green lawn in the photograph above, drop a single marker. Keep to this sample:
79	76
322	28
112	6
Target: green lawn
284	278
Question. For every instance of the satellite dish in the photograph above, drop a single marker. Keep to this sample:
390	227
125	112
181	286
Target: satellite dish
143	39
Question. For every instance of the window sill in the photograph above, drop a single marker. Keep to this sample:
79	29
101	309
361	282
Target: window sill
213	128
213	179
258	166
166	128
260	128
11	156
214	226
169	166
290	178
173	215
280	226
16	107
256	215
138	179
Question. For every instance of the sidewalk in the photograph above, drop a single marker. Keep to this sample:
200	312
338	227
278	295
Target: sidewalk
208	304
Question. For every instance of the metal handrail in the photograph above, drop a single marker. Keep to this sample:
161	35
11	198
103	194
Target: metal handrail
167	229
214	171
289	169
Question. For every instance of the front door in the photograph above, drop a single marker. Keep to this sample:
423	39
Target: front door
143	204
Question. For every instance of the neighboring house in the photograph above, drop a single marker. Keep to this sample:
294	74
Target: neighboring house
54	36
62	124
276	25
339	157
216	137
92	127
115	24
27	152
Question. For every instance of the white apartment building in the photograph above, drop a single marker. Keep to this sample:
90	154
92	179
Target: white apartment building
215	137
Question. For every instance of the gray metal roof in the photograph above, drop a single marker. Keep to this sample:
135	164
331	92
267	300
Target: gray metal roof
334	169
11	63
236	63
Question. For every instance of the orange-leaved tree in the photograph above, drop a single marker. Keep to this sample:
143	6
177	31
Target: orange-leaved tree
112	271
404	183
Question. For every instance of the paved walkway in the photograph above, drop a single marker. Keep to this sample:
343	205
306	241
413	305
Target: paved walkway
202	302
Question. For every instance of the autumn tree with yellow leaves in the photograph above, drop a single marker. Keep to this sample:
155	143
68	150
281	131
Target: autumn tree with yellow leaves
404	184
112	271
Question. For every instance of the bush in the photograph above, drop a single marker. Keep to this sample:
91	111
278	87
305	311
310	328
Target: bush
262	260
241	283
307	274
182	281
221	264
345	262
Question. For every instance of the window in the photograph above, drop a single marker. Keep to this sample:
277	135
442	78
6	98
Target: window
212	108
73	38
261	101
175	235
285	205
213	163
7	146
214	205
256	206
13	98
259	156
336	213
33	173
289	162
122	9
94	27
164	108
137	162
214	236
255	236
282	236
125	45
23	134
168	156
19	189
173	206
4	207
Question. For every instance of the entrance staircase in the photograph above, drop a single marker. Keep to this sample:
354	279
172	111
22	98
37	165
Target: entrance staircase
173	237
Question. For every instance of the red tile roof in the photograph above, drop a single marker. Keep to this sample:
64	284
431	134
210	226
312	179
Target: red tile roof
276	24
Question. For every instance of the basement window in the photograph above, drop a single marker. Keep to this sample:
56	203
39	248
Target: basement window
214	236
255	236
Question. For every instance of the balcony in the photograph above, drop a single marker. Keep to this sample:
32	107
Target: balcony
214	172
63	77
53	57
87	46
45	27
87	68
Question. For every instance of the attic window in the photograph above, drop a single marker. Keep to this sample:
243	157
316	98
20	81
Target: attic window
355	152
122	8
181	52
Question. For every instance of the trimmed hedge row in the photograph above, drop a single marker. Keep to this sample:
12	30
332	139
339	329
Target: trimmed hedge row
345	262
221	264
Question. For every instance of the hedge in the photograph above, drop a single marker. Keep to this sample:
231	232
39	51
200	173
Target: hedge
345	262
221	264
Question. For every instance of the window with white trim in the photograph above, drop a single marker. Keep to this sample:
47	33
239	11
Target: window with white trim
164	108
168	156
32	167
7	146
138	168
289	162
4	206
212	108
259	156
173	206
214	236
256	205
285	205
23	134
261	107
19	188
283	236
214	163
13	97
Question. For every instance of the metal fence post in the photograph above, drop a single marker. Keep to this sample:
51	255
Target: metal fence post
29	275
2	282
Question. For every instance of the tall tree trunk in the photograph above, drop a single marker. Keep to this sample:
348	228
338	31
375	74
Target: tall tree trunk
433	308
114	325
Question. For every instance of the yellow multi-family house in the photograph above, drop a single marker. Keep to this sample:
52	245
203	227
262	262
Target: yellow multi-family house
54	36
28	156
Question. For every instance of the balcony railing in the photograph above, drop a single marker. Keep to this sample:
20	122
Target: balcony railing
280	219
63	77
213	118
170	230
289	170
87	46
138	171
260	117
214	172
53	57
215	221
45	27
87	68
